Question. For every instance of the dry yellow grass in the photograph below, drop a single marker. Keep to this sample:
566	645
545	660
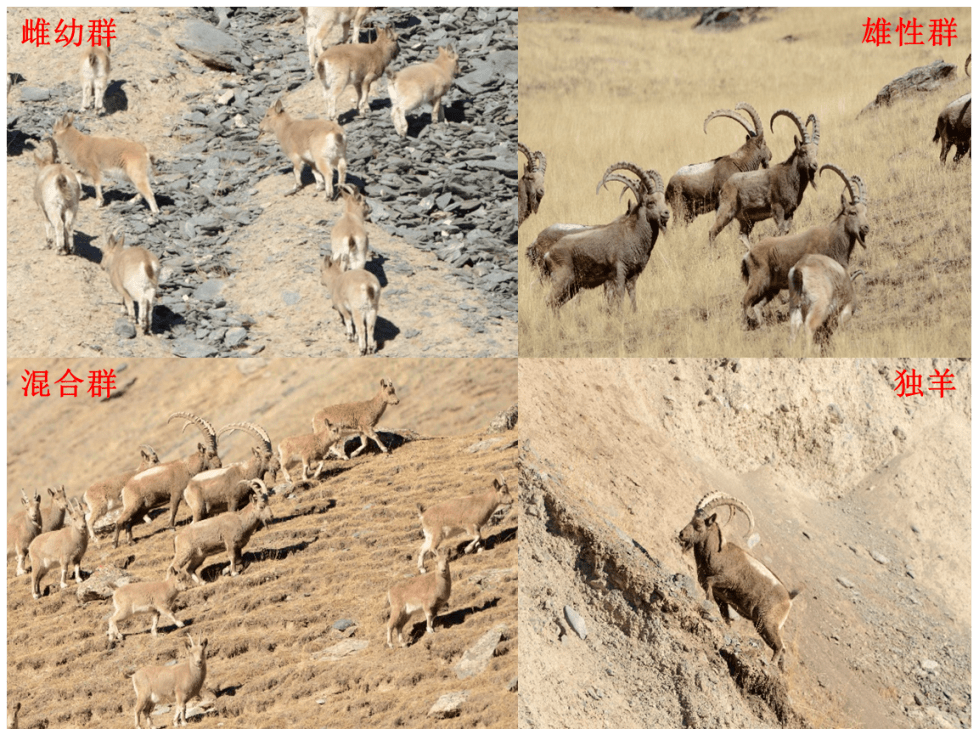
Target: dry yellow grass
597	87
333	551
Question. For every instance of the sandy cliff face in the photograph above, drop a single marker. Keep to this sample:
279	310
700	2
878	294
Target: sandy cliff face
861	497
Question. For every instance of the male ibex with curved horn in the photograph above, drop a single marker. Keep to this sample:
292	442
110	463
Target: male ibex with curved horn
765	268
530	189
166	482
773	193
228	488
955	125
731	577
695	189
611	255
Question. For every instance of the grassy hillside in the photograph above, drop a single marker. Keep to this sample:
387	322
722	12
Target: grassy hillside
597	87
334	549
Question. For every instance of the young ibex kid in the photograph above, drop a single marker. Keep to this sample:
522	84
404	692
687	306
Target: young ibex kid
349	236
95	75
358	65
134	273
94	157
316	142
356	296
422	83
56	192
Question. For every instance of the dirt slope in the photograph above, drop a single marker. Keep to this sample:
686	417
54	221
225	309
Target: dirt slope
335	548
861	498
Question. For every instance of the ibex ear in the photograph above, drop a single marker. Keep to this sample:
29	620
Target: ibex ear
709	521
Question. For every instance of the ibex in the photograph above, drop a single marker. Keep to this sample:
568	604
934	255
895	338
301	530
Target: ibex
467	514
695	189
94	74
357	418
821	296
357	65
421	83
430	593
731	577
611	255
316	142
135	273
773	193
93	157
178	684
56	192
530	189
349	235
356	295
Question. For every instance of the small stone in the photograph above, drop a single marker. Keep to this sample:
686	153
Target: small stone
576	622
125	329
448	705
845	582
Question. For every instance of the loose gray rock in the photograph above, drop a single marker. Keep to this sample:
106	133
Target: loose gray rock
923	79
475	660
102	583
448	705
212	46
576	622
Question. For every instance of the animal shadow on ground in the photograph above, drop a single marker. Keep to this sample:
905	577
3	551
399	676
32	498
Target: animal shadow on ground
115	98
384	331
85	249
447	620
376	266
19	142
123	192
165	319
213	572
320	507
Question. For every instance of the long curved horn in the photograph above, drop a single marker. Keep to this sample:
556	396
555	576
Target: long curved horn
205	427
791	115
863	188
528	154
730	115
814	139
858	272
968	61
252	429
854	194
755	117
257	485
627	181
541	161
711	501
649	185
657	177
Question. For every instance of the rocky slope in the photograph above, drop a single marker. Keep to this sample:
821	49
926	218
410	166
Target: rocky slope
862	499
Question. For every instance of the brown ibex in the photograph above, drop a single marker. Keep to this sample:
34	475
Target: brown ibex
611	255
695	189
530	189
731	577
773	193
